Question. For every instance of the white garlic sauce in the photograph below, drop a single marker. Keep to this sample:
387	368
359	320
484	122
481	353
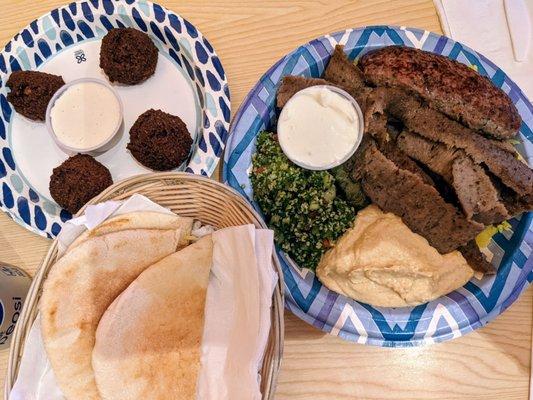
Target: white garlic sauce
85	115
319	128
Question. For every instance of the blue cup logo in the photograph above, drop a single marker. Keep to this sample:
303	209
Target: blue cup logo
10	325
14	284
3	336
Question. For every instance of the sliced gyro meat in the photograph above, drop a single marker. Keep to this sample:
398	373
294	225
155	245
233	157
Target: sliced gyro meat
419	204
479	198
345	74
436	156
436	126
290	85
476	259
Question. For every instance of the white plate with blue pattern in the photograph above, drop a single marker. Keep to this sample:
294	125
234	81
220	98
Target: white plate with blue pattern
189	81
448	317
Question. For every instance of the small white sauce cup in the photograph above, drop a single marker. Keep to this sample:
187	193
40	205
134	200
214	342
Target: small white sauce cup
107	143
357	142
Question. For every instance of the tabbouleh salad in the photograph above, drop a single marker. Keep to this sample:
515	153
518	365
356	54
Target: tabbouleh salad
301	206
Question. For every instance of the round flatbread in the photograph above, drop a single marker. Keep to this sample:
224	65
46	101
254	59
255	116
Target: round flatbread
78	290
139	220
148	341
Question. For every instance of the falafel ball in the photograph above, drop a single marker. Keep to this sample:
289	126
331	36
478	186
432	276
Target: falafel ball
159	141
77	181
128	56
31	92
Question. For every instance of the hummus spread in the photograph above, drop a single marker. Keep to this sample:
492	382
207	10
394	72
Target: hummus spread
381	262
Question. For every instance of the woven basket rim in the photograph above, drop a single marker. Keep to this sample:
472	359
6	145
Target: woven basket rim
273	352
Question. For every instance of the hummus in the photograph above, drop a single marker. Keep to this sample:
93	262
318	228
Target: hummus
381	262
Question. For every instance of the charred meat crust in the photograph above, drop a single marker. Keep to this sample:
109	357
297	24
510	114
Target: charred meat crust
436	156
403	161
340	72
474	189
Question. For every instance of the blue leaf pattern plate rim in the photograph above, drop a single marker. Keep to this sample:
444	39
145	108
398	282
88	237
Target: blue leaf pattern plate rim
81	21
448	317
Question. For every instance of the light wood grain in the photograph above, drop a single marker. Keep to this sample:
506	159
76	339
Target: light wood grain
249	36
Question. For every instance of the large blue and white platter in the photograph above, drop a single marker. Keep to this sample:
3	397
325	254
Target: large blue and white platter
189	81
446	318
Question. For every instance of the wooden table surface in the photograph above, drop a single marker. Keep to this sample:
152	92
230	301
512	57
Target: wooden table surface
249	36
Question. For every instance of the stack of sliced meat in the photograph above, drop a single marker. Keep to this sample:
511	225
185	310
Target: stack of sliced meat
435	150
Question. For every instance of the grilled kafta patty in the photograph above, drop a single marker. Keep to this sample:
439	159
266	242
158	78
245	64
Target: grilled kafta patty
447	85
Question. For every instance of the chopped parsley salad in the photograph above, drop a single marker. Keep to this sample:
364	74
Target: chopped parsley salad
301	206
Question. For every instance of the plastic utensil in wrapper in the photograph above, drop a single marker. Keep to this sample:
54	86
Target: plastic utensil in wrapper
14	285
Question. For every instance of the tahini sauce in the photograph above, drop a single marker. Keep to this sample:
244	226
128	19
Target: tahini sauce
319	128
85	115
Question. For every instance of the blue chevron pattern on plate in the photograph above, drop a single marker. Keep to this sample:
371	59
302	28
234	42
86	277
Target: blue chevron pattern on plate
451	316
84	21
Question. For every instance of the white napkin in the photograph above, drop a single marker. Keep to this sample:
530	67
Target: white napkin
36	380
483	25
237	322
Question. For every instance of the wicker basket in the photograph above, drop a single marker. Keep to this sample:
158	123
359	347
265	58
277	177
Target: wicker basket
188	195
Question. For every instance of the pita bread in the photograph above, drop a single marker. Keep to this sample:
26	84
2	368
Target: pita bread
139	220
148	341
78	290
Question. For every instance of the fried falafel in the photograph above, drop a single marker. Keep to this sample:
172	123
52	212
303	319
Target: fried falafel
78	180
31	92
159	140
128	56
